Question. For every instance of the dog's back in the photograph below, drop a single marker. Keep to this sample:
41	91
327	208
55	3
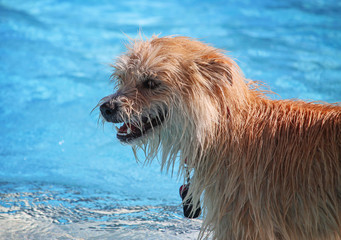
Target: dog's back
284	181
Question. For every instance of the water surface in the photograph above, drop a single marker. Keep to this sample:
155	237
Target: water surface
63	176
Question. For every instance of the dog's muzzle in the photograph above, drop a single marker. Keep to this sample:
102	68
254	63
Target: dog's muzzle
110	108
109	111
130	130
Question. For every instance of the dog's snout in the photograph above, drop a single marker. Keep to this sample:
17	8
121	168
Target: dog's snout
108	111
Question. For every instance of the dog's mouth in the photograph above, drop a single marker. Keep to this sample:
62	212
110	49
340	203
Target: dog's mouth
133	130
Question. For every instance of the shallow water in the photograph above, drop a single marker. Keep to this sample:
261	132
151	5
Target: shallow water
63	176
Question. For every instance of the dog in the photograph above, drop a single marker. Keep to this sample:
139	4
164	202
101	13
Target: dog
264	169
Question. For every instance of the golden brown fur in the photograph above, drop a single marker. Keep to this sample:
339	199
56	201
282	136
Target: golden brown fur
265	169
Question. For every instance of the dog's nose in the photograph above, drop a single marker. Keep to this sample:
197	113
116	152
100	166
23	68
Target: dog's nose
107	110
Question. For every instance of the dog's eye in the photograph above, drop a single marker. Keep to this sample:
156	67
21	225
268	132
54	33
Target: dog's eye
151	83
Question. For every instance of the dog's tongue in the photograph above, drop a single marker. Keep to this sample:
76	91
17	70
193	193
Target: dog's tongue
124	128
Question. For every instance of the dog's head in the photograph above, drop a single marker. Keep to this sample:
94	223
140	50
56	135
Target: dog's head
170	89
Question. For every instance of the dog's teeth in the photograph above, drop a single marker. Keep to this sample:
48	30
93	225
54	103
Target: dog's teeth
128	131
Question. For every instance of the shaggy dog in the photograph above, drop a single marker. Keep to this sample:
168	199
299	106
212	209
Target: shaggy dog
264	169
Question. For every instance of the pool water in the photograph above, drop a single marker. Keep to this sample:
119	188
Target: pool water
65	176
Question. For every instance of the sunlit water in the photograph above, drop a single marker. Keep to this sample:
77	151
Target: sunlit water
62	175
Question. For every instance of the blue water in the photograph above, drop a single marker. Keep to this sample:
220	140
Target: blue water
63	175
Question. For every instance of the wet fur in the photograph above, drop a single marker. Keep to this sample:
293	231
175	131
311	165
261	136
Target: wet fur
265	169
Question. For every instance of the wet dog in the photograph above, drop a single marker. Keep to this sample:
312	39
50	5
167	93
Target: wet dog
264	169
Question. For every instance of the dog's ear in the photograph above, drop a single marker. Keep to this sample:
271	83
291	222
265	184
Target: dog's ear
224	67
218	68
